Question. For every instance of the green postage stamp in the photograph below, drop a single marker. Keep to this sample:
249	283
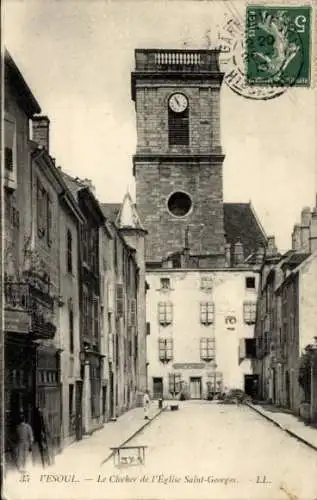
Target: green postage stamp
278	45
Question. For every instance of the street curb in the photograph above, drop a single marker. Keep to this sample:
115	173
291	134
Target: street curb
288	431
133	435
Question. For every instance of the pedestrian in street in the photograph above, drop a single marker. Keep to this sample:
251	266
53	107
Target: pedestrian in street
24	442
40	436
146	404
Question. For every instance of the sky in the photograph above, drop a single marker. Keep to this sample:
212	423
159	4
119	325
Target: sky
77	57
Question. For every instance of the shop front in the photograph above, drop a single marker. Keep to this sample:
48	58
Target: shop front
28	322
48	393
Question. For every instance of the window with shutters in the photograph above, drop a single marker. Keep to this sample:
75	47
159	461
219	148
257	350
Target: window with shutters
44	209
10	156
249	312
85	243
133	312
94	249
9	143
206	313
69	251
49	222
95	306
178	128
41	206
249	348
165	313
71	325
85	312
165	349
207	348
119	300
206	283
174	383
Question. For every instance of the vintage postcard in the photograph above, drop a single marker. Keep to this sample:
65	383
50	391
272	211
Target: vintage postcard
159	182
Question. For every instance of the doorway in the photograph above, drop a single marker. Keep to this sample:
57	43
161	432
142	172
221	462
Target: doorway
111	393
157	387
195	387
79	414
251	385
287	390
104	403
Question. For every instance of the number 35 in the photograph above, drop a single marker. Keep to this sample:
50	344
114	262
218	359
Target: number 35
300	23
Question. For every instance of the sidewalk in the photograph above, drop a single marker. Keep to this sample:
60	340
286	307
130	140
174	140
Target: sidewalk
93	450
288	423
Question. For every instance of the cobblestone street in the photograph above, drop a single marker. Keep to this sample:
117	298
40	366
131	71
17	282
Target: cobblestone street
204	450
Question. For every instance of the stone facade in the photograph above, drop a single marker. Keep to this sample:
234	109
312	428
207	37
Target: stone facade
286	321
162	168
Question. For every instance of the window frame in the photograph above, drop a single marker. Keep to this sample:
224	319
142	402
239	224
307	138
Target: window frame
247	279
71	325
10	172
166	349
174	382
207	312
165	312
95	317
165	280
69	251
249	312
206	283
207	344
119	300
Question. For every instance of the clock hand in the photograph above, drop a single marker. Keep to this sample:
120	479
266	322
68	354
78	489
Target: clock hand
177	101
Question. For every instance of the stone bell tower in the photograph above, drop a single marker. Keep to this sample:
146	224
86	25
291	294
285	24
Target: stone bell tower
178	161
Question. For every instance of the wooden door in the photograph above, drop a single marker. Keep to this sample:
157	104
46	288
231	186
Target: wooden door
195	387
79	410
157	387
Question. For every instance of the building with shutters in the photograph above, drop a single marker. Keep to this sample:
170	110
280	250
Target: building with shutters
125	287
286	322
91	357
42	224
203	256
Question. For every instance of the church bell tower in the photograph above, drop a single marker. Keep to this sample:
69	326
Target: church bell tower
178	161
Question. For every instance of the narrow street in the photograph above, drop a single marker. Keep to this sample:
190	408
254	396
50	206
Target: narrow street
204	450
220	451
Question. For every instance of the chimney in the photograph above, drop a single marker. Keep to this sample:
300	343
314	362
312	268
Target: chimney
41	131
305	229
296	238
313	231
260	255
238	253
271	250
227	255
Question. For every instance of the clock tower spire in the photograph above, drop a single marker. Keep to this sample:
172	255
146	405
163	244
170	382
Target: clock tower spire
178	160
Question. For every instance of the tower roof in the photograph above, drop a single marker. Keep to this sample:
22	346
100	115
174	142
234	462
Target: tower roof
124	215
128	216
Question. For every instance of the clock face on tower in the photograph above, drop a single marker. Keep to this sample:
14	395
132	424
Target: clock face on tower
178	102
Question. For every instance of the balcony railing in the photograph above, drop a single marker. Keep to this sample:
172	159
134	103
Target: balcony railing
24	301
176	60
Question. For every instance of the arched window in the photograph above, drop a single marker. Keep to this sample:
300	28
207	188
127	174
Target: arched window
178	128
